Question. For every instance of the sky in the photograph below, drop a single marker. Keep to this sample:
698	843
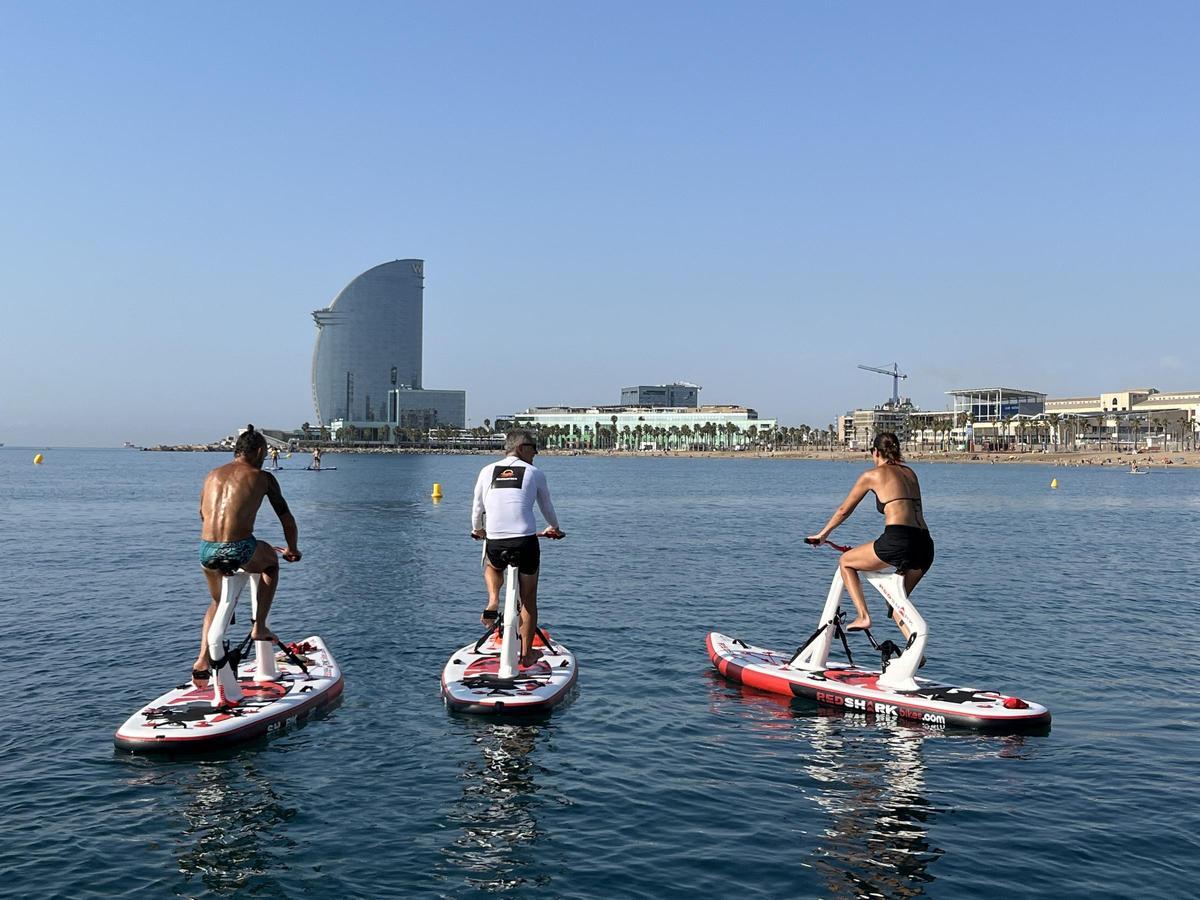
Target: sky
755	197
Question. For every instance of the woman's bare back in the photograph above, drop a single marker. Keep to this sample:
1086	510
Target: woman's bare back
898	495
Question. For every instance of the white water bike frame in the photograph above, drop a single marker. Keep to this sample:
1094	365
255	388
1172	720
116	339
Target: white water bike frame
509	638
900	671
225	684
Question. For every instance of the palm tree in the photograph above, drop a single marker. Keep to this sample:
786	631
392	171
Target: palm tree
1160	425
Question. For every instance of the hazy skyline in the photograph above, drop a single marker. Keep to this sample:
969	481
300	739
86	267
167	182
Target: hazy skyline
753	198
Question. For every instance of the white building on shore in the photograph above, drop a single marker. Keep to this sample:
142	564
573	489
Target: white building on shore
648	427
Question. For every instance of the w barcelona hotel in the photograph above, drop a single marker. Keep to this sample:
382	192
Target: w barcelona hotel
366	371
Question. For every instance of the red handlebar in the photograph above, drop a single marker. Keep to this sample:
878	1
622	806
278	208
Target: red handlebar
838	547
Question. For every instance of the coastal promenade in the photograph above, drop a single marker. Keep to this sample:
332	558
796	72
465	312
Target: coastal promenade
1122	458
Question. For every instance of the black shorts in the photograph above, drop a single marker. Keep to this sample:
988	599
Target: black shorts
524	552
905	547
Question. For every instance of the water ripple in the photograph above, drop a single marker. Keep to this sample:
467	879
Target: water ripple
658	779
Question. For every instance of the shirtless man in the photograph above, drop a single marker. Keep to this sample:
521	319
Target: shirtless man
229	503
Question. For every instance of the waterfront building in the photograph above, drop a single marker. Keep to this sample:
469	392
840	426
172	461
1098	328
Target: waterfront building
862	425
1004	418
936	428
994	417
366	368
648	428
1132	417
678	393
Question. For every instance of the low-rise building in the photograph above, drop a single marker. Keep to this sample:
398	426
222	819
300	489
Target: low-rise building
647	428
1129	418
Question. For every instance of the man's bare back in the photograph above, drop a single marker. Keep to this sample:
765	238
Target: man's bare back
229	504
231	497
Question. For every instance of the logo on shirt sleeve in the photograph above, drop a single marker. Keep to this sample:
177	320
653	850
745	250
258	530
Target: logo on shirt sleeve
508	476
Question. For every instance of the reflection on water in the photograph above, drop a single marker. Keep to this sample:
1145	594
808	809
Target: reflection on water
233	839
872	781
868	780
494	822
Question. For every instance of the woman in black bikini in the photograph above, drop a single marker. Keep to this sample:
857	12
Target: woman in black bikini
905	542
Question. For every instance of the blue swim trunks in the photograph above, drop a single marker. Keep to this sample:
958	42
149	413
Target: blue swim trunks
227	557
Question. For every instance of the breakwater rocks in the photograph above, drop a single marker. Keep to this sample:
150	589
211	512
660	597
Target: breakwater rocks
188	448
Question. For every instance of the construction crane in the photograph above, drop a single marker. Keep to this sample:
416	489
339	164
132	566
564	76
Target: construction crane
896	374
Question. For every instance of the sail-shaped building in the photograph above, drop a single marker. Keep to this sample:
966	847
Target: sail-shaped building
366	369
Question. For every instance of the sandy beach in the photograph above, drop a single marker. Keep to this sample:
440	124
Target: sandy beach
1144	459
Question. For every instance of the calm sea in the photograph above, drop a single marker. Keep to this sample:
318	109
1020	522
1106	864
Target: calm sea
657	779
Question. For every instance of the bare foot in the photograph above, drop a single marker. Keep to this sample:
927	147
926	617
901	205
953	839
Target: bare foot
200	672
262	633
530	658
862	623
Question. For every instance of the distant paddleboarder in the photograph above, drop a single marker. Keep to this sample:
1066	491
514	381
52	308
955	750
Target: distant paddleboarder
502	514
274	458
229	504
316	460
905	542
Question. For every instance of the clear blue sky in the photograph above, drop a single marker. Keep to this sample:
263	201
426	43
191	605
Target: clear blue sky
755	197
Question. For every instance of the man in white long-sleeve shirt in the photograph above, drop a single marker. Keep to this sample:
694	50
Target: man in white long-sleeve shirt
502	514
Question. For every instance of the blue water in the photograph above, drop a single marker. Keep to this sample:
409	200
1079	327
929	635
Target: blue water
658	779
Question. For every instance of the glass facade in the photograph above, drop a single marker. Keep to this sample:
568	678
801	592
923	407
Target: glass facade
997	404
680	393
368	351
369	342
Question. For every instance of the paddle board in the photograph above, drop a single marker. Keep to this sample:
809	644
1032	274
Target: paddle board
855	690
471	683
322	469
184	719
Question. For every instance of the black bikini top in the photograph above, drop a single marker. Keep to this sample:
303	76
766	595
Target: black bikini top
879	506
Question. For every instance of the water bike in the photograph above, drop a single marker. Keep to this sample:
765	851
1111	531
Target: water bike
243	699
891	692
485	676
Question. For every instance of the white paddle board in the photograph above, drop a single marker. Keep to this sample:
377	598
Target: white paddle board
184	719
470	680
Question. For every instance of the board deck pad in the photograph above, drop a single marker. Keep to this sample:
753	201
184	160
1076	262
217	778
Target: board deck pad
184	719
470	683
856	690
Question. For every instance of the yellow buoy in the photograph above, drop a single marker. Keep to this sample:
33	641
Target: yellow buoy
37	460
1054	483
437	491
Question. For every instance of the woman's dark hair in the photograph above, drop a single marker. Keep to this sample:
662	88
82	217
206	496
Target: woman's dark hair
249	442
888	446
